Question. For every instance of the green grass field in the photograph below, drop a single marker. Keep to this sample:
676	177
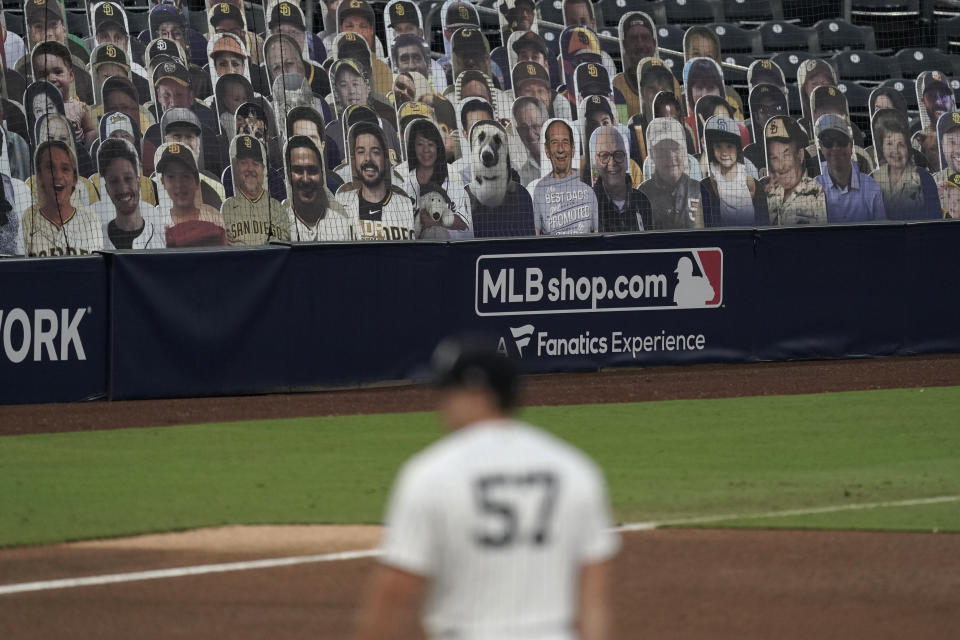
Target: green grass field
663	460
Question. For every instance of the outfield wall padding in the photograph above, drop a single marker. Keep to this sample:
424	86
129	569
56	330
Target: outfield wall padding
281	318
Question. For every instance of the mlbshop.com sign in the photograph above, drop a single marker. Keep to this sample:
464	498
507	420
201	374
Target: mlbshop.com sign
599	281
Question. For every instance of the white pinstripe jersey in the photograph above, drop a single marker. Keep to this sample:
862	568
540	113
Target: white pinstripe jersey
499	517
335	225
393	219
80	234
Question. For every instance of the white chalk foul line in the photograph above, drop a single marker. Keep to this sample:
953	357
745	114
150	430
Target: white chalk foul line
179	572
648	526
269	563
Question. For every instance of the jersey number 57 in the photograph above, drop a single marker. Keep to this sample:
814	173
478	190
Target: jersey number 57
515	508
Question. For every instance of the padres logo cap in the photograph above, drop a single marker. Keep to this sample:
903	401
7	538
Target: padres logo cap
651	69
948	122
592	78
403	12
248	147
530	71
108	53
931	80
225	10
784	129
468	39
597	104
109	14
356	8
172	71
581	40
38	7
175	153
461	13
162	50
286	13
722	124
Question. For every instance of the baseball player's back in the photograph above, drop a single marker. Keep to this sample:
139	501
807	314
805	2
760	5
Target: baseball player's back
499	531
500	516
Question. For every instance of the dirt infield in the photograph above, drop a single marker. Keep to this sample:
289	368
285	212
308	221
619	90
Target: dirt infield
669	583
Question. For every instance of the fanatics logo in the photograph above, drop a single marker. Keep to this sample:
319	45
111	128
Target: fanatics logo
521	337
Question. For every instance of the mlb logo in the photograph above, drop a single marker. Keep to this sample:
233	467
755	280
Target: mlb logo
699	279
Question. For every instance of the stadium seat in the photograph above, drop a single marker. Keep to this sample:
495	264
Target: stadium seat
864	66
687	12
613	10
948	35
752	12
734	39
610	43
839	35
793	100
945	9
14	83
551	11
856	94
808	12
550	35
915	61
789	62
139	20
670	36
15	118
907	88
78	23
733	76
14	21
896	23
675	63
783	36
255	20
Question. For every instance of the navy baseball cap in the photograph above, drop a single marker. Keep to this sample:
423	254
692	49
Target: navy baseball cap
474	362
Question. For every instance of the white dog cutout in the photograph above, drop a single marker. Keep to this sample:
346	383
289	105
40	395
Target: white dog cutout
490	163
